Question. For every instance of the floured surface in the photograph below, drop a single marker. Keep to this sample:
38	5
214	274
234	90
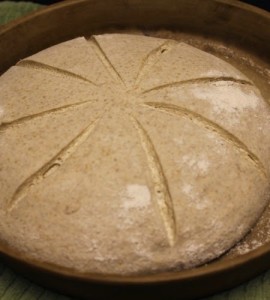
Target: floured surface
134	161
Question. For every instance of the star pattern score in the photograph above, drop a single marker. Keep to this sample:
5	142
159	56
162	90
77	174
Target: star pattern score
162	193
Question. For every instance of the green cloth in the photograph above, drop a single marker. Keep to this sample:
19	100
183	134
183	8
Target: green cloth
15	287
10	10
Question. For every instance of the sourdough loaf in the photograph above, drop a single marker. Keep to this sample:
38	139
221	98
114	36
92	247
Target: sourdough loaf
128	154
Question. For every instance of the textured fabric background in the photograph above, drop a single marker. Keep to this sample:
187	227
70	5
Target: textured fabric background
15	287
10	10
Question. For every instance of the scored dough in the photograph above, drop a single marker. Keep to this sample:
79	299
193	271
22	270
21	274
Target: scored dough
127	154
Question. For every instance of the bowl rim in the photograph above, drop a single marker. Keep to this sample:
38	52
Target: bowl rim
210	269
58	6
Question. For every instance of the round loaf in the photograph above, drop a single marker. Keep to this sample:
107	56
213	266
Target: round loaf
127	154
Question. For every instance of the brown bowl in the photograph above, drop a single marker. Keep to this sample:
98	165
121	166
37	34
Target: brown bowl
234	31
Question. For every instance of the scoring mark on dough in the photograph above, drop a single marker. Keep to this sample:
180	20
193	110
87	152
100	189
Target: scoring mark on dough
27	63
50	167
151	59
106	61
162	193
11	124
203	80
213	127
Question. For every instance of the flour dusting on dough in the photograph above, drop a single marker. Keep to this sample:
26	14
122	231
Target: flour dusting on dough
187	189
178	141
197	200
199	163
232	72
136	196
215	73
226	97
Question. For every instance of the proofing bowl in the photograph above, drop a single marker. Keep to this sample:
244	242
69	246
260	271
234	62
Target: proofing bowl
234	31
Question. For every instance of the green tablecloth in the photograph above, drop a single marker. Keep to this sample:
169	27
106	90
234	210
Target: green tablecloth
10	10
14	287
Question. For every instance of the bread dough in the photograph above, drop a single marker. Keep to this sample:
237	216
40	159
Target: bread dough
127	154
